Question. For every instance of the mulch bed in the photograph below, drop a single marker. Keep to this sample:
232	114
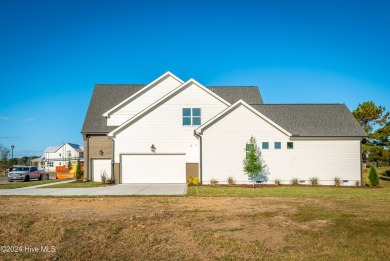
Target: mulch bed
282	185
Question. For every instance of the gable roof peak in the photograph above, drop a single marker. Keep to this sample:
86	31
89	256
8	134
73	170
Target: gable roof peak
144	89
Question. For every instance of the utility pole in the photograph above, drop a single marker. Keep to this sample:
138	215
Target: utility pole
12	154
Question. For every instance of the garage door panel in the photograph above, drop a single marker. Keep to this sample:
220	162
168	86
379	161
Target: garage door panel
99	166
153	168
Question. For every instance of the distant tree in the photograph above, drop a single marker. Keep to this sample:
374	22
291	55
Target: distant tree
4	154
69	164
375	122
253	162
373	177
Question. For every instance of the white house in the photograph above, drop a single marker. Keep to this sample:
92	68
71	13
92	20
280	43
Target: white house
169	130
59	156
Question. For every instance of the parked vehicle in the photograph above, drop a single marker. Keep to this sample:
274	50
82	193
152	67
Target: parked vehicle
26	173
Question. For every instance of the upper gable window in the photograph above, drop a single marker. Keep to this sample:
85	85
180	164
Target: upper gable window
191	116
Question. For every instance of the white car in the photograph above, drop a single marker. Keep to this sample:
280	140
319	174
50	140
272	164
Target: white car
25	173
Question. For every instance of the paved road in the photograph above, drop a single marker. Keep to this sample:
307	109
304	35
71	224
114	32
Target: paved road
4	180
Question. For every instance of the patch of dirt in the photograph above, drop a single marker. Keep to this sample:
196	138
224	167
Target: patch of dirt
196	228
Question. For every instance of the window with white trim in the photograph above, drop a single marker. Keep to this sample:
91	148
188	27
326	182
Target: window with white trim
191	117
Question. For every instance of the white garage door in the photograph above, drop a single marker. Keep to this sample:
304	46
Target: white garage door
153	168
99	166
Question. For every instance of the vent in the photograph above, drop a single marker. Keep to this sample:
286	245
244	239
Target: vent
301	181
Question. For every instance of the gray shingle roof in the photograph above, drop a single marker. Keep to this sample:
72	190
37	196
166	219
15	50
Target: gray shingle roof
249	94
106	96
317	120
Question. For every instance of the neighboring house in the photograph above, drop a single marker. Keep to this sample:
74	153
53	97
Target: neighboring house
59	156
169	130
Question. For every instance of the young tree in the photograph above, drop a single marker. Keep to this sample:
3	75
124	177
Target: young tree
373	177
253	162
69	164
78	170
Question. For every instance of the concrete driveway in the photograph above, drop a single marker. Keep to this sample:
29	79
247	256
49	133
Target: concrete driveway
118	190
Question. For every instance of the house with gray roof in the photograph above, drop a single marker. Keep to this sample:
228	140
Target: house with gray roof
54	156
169	130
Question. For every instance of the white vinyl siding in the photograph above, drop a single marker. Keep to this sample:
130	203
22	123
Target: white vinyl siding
224	151
141	102
163	126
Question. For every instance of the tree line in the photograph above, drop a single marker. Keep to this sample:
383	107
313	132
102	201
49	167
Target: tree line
376	123
6	162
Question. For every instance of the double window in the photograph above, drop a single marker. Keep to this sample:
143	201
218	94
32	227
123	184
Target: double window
191	116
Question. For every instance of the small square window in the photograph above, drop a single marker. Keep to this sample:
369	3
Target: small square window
186	112
186	120
196	112
265	145
278	145
248	147
195	120
290	145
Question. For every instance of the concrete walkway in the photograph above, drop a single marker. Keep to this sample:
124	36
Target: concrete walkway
117	190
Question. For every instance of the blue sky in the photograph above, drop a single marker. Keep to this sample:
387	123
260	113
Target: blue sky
53	52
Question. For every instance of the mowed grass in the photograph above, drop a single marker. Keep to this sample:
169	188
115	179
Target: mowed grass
22	184
298	191
75	184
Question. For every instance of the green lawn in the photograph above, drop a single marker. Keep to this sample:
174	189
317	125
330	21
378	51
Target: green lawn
74	184
299	191
20	184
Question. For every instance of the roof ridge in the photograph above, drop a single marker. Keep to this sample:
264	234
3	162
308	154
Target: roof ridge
297	104
124	84
231	86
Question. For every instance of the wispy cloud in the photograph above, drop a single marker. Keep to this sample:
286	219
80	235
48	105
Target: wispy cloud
3	118
9	138
26	120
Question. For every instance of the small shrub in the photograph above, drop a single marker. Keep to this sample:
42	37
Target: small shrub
193	181
104	177
213	182
109	181
295	182
357	183
386	173
277	182
231	181
373	177
314	181
337	181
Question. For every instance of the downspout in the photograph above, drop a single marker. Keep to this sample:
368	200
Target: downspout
113	161
361	163
87	163
200	158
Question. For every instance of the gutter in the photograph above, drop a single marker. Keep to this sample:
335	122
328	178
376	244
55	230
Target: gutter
113	161
200	158
361	164
88	158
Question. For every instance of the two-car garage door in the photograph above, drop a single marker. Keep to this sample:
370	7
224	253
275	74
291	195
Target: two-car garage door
153	168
